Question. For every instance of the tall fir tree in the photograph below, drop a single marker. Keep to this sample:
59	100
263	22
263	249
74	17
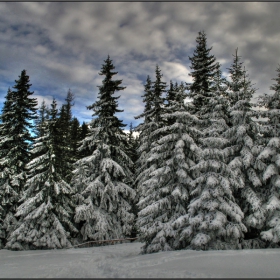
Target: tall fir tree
214	218
42	116
166	188
270	156
18	114
243	134
8	193
47	207
170	98
102	179
64	127
144	129
75	132
153	111
86	151
204	69
132	146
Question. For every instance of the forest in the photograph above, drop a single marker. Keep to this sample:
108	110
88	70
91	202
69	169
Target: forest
203	174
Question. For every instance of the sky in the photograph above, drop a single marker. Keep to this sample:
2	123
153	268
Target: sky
62	45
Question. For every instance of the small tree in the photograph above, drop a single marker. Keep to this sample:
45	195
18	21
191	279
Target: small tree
42	116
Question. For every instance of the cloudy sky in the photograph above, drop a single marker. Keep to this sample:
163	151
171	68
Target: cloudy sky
62	45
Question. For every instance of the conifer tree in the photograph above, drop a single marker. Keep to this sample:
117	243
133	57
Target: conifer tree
8	193
144	129
75	132
270	156
132	146
166	188
43	115
204	70
153	111
46	206
158	89
243	134
102	179
83	134
132	153
214	218
64	135
18	113
170	98
171	93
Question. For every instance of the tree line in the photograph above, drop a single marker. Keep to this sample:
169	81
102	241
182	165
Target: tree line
204	172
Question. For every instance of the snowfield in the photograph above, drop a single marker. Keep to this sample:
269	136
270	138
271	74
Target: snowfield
125	260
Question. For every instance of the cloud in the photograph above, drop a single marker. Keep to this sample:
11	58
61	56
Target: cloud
62	45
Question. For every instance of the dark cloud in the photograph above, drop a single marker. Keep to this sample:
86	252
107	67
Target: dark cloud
62	45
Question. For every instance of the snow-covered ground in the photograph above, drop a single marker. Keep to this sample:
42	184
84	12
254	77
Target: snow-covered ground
124	260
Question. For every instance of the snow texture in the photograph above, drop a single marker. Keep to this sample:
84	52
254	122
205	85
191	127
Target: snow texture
125	261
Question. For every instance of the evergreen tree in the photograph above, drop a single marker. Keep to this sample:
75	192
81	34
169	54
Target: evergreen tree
165	190
102	179
132	153
214	219
153	111
204	70
8	193
84	131
145	130
43	115
158	89
18	113
170	98
243	134
270	156
47	207
64	128
83	134
75	132
171	93
132	146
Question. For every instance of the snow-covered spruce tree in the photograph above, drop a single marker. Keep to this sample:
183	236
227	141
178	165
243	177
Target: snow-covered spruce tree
132	147
165	191
102	180
42	116
214	219
154	108
46	208
204	69
270	155
64	137
173	94
84	129
16	140
8	195
243	134
144	130
75	137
